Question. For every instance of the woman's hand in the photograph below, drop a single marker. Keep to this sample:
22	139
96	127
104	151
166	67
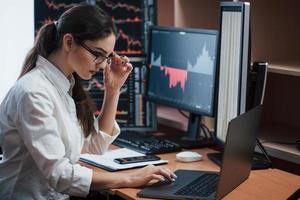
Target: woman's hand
148	175
140	177
116	73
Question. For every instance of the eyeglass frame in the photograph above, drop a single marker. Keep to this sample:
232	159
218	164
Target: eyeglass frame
95	53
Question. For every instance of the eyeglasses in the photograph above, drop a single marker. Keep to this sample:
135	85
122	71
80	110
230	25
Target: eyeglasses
99	57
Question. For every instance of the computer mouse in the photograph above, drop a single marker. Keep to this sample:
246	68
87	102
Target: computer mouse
188	156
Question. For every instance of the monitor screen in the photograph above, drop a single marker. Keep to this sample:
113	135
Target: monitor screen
182	68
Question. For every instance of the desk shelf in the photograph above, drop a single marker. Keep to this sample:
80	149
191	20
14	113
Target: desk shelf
293	70
279	142
280	116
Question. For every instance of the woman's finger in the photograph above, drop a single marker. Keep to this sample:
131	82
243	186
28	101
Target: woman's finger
161	171
117	59
157	177
125	59
129	67
173	176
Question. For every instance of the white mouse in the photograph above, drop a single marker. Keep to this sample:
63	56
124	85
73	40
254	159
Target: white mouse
188	156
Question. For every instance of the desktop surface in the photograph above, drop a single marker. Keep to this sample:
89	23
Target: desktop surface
236	165
261	184
272	184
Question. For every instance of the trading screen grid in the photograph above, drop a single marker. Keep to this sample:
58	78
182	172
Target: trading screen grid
130	18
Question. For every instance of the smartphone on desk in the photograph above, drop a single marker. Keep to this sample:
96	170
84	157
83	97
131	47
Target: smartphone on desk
136	159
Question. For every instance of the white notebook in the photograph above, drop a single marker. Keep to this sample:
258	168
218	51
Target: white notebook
106	161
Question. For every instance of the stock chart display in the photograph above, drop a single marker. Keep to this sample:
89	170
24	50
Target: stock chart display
182	69
133	111
128	17
47	11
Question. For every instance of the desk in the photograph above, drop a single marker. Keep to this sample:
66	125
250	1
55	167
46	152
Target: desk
262	184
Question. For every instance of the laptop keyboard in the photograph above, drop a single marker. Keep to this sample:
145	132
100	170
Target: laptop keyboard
203	186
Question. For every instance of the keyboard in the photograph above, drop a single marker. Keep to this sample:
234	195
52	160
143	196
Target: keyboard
146	144
203	186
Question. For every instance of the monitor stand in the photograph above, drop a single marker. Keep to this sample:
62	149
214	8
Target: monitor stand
258	162
194	138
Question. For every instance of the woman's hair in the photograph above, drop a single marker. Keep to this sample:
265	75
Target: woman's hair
84	22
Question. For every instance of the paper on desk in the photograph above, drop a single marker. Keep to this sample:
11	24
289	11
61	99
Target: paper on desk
106	161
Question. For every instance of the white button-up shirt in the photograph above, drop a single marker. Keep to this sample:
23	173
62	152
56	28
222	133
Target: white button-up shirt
41	138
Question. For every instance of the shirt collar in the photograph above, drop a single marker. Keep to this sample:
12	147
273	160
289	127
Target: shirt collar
58	79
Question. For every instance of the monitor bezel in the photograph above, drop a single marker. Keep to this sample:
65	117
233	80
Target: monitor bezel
216	70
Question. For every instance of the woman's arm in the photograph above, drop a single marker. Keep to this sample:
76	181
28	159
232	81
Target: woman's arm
109	109
137	178
115	75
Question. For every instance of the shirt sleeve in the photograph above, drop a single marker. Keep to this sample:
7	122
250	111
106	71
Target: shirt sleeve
98	143
39	130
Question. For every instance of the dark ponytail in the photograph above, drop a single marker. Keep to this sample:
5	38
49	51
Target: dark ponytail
45	43
84	22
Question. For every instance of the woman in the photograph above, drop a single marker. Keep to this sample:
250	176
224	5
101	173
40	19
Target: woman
46	119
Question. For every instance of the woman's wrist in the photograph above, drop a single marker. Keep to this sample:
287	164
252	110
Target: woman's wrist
122	181
106	180
127	180
112	91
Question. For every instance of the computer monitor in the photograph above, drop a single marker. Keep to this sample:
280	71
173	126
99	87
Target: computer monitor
182	72
241	86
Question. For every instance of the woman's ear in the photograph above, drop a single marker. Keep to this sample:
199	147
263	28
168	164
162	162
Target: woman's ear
68	42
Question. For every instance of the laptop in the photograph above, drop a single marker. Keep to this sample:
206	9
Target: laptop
237	156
